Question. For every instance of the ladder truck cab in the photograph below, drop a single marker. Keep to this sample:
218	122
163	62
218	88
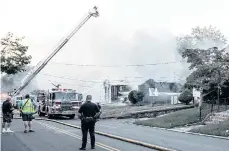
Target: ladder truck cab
59	102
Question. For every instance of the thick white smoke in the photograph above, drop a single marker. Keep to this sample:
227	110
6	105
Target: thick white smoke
11	82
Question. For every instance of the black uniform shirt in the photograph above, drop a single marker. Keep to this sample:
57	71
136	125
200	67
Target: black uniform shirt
89	109
6	107
99	106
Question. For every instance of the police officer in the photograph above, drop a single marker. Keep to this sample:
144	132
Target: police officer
88	113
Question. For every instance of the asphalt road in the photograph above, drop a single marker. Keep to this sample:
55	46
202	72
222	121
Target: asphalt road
164	138
49	136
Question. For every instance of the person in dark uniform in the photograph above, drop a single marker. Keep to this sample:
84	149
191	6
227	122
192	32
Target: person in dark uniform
7	110
88	113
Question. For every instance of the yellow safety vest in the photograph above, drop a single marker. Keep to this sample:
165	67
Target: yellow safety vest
28	107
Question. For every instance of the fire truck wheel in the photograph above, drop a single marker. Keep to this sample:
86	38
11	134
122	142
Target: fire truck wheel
50	116
72	116
40	113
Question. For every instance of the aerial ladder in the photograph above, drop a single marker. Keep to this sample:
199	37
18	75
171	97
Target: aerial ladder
28	78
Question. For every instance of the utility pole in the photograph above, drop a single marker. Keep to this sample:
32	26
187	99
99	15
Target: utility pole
218	96
201	102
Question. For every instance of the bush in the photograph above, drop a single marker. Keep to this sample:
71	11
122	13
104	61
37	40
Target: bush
135	96
186	96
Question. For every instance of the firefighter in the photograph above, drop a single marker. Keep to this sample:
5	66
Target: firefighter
88	113
27	109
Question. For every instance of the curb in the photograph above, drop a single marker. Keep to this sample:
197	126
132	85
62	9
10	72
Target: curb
199	134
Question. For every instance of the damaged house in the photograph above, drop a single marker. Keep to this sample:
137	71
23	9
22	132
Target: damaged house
160	92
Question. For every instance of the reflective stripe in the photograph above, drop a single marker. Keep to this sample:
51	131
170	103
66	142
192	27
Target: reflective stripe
28	108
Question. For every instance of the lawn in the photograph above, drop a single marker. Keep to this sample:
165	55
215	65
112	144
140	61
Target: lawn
214	129
116	111
178	118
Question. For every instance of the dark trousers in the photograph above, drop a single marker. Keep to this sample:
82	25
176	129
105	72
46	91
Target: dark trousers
85	127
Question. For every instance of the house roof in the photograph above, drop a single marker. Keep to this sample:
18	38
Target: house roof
162	86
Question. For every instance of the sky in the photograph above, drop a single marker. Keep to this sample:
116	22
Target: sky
126	32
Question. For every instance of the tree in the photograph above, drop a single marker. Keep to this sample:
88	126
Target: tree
186	96
135	96
207	56
13	55
201	38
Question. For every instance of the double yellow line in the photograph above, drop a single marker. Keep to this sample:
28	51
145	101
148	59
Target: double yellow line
108	148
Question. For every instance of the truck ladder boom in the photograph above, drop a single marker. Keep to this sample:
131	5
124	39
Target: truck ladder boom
28	78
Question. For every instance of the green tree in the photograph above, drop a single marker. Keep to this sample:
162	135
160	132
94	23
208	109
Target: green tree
208	63
13	54
186	96
135	96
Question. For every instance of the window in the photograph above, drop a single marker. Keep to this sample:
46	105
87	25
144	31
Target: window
66	96
19	98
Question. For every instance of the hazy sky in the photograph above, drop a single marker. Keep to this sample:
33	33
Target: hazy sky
127	32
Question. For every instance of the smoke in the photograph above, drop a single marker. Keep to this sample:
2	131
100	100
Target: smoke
11	82
141	48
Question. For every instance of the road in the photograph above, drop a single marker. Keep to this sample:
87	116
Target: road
49	136
164	138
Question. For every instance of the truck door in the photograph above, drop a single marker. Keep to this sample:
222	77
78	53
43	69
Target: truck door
52	98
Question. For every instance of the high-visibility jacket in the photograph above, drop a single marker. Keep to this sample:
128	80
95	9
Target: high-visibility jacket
28	107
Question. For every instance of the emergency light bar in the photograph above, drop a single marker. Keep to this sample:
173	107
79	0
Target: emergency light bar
63	90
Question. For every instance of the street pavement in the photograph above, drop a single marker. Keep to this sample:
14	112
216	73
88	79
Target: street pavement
164	138
49	136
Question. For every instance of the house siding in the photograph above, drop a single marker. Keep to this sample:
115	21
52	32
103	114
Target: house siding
164	91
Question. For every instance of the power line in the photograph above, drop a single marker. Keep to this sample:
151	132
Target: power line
130	65
90	81
61	77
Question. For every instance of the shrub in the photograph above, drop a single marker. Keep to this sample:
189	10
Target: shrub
135	96
186	96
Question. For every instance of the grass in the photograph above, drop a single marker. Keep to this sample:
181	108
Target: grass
116	111
214	129
178	118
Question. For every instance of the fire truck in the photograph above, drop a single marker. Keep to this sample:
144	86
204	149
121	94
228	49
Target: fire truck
59	102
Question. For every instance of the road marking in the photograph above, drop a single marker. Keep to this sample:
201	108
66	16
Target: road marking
77	136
